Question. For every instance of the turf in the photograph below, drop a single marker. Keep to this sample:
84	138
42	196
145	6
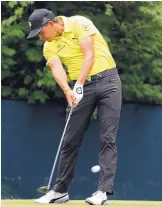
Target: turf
30	203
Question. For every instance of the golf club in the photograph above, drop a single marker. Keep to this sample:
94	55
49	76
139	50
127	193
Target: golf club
45	189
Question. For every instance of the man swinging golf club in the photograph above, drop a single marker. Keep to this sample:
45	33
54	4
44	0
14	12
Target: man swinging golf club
95	82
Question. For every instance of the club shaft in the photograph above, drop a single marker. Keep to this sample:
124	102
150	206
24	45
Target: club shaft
57	154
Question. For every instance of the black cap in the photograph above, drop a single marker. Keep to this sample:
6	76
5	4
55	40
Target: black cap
38	19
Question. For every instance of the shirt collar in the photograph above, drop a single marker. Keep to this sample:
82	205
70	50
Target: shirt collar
66	23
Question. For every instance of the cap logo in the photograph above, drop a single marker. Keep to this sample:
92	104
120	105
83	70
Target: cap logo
45	20
29	24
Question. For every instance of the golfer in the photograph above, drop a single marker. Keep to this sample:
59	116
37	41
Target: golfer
78	44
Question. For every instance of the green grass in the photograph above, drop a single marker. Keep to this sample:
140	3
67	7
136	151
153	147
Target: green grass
30	203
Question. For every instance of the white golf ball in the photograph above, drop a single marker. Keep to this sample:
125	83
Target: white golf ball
95	169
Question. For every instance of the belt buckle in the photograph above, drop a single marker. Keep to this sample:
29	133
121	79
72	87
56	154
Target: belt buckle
89	79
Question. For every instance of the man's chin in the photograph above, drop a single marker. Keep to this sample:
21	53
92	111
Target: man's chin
42	39
50	39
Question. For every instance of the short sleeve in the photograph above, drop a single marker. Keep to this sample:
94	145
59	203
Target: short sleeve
48	53
84	27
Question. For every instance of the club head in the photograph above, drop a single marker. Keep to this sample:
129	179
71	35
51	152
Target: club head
43	189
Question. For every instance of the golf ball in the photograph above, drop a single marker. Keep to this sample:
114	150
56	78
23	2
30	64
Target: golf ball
95	169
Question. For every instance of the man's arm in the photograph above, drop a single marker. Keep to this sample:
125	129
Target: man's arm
87	48
59	74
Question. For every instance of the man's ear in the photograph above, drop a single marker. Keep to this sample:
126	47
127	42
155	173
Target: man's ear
51	23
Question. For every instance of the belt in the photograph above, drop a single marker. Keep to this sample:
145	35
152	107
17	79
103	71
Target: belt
98	75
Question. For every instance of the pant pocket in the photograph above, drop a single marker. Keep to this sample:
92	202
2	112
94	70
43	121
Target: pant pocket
114	78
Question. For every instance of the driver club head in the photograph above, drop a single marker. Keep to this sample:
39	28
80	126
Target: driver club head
43	189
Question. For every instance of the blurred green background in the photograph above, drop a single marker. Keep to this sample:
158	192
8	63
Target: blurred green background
133	31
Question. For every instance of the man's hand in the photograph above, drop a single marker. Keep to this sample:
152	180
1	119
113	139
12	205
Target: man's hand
70	96
75	95
78	92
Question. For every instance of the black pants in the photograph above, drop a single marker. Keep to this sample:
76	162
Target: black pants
105	93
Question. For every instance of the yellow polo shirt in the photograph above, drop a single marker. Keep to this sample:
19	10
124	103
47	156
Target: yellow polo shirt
67	47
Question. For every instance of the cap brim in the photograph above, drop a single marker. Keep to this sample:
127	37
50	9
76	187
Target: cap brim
33	33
